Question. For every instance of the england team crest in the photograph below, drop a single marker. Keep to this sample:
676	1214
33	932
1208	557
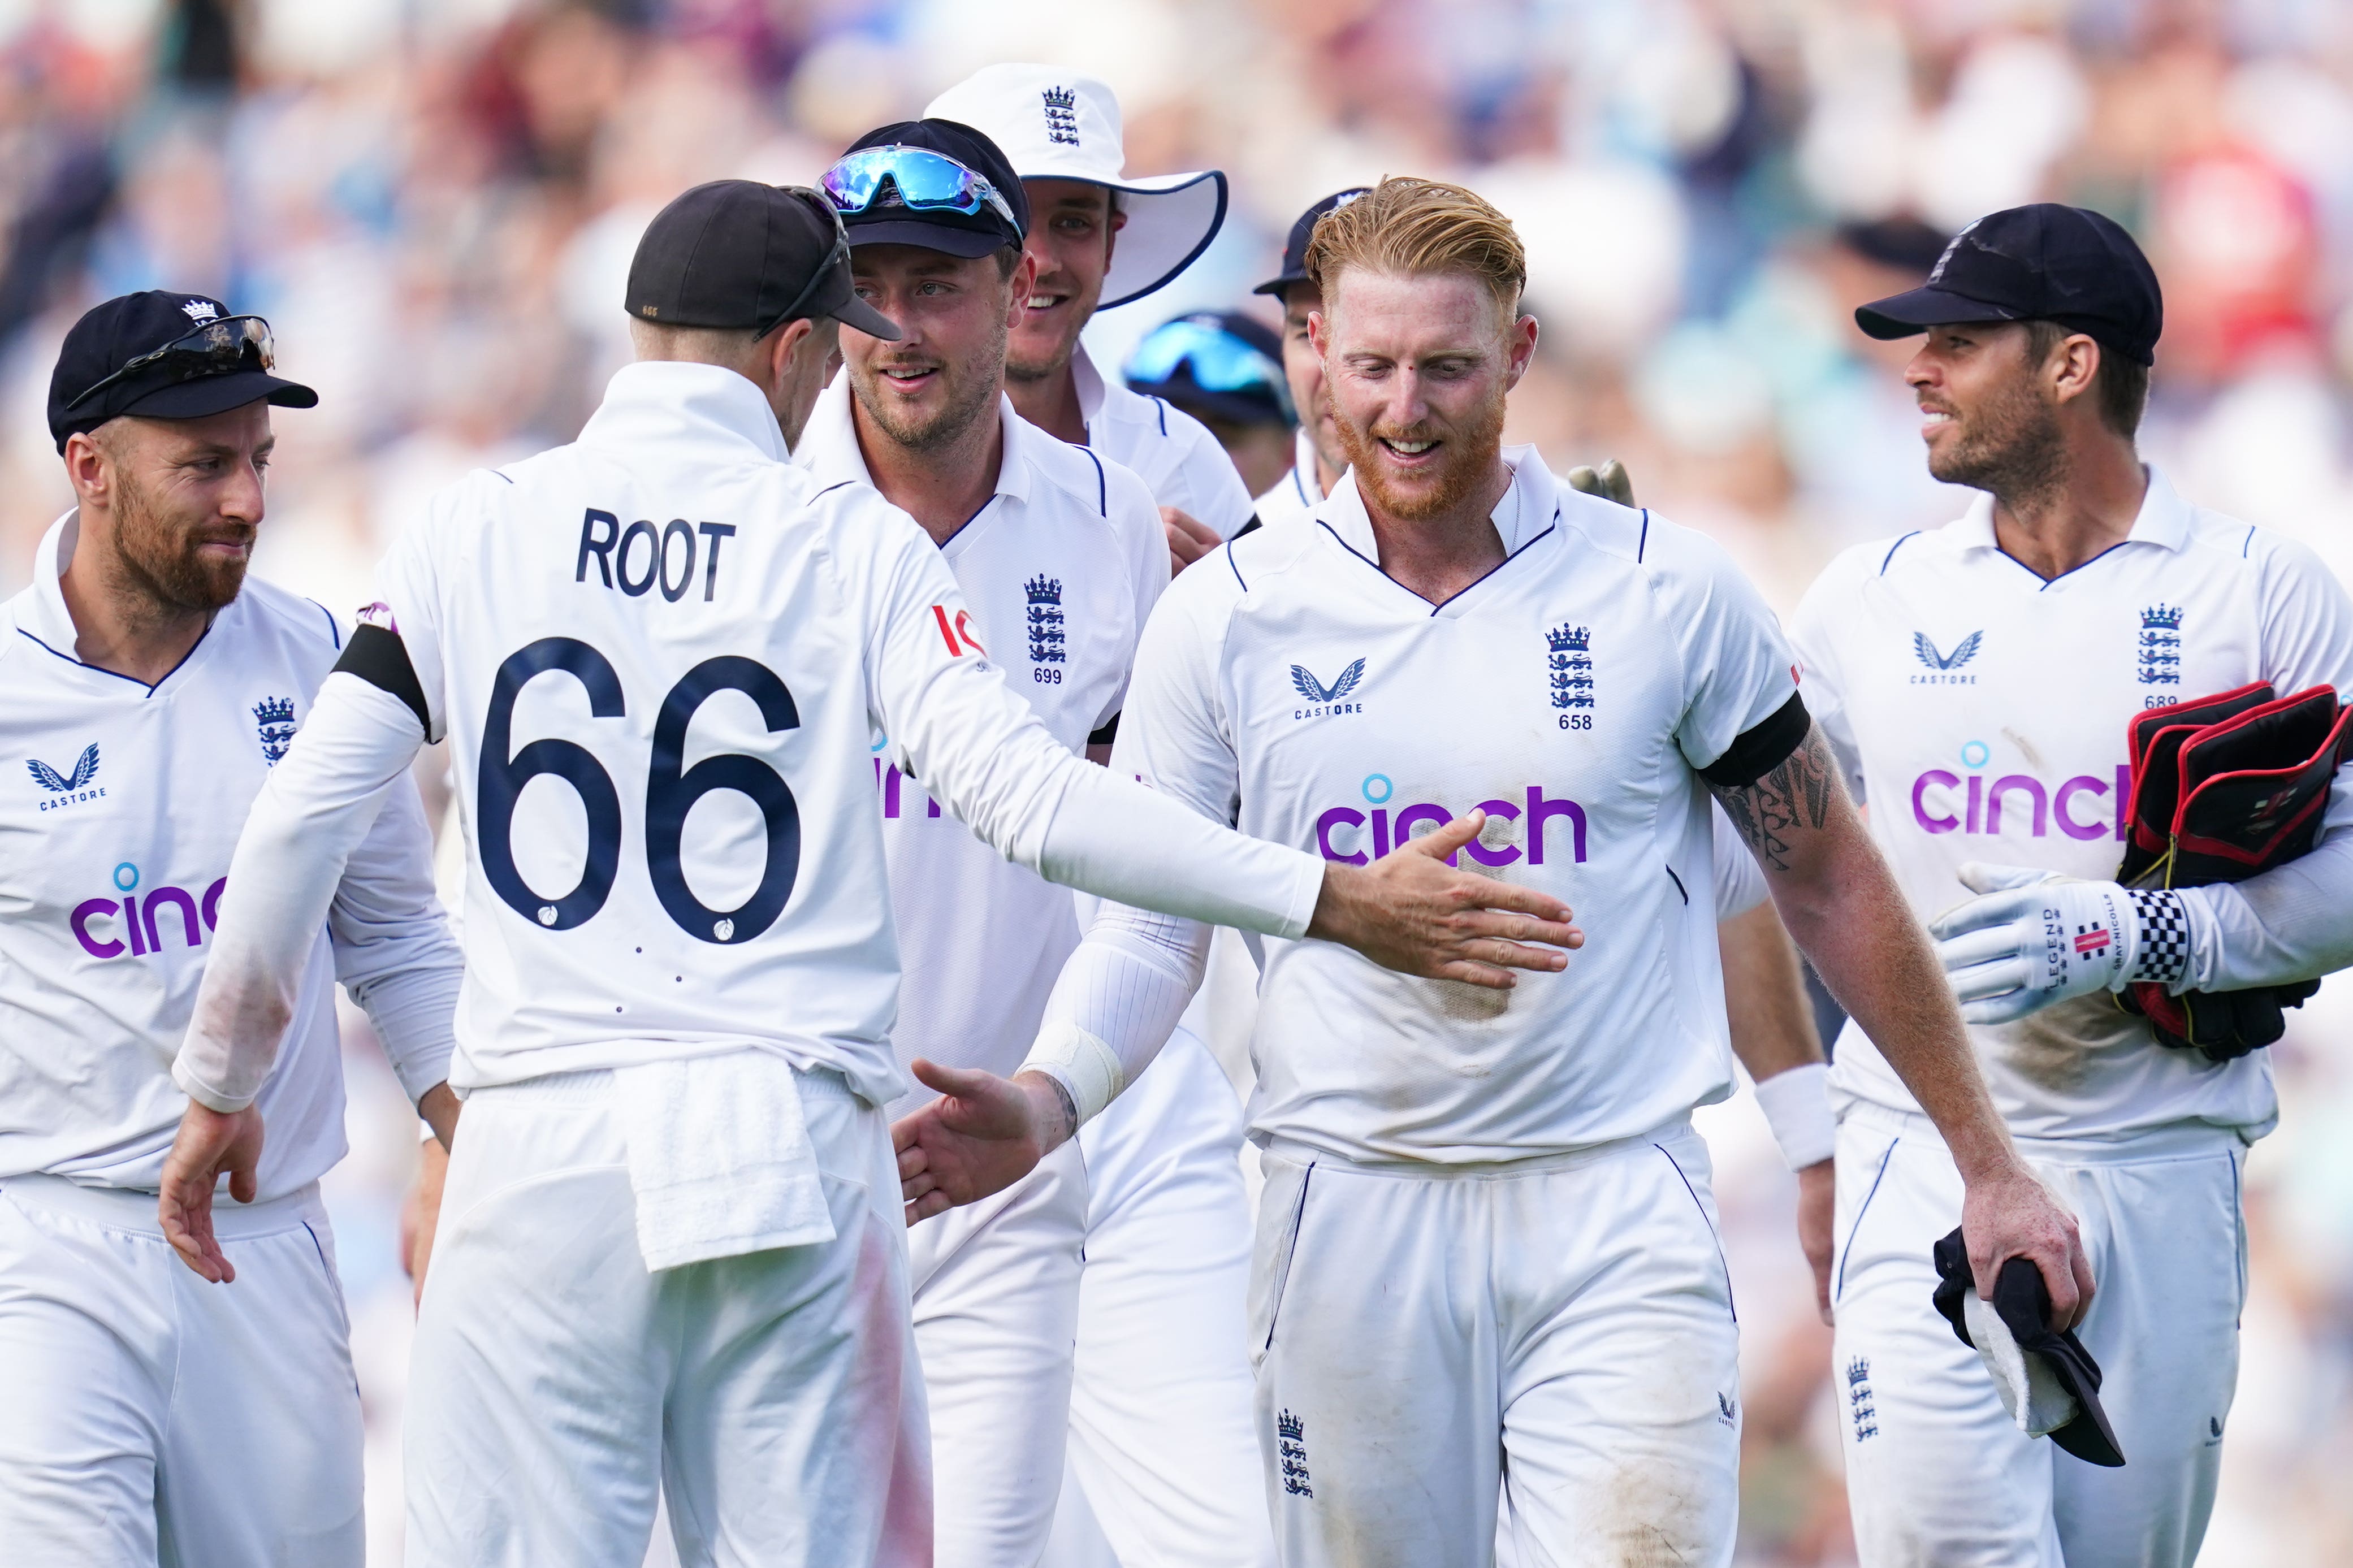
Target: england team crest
273	719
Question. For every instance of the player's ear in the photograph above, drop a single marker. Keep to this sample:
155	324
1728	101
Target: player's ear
1521	348
2074	366
1023	284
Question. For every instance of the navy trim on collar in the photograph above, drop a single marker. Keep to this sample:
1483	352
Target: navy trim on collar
1893	548
1103	482
100	670
1466	587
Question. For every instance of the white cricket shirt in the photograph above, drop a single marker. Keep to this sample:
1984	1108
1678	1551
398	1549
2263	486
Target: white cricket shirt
1294	497
119	809
1060	569
1292	687
661	653
1172	452
1980	712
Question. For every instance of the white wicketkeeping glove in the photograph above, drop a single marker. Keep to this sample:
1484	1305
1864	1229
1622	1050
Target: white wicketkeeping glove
2033	937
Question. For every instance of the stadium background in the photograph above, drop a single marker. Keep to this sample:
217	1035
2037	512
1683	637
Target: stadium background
435	200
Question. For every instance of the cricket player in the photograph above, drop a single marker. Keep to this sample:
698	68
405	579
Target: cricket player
1059	554
1161	1445
1102	237
153	687
1225	369
673	1248
1975	681
1486	1258
1319	461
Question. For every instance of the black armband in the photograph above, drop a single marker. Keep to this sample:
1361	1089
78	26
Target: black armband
1759	750
1107	734
377	656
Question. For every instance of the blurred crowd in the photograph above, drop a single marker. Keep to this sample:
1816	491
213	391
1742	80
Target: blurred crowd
435	200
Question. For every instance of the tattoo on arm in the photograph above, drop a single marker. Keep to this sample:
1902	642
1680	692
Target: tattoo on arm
1795	795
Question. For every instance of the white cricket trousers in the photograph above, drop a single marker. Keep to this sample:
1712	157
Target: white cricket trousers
148	1417
1560	1329
1162	1445
1935	1471
996	1309
773	1397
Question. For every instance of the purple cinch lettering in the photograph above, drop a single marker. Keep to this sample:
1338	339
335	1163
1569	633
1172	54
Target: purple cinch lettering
80	921
2124	797
131	924
891	792
1541	811
1338	816
212	904
1920	812
1435	815
2082	783
187	916
1976	802
2033	788
1509	852
1380	833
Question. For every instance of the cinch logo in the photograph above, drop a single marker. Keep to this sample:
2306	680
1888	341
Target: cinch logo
140	932
1980	807
1533	813
1325	700
70	789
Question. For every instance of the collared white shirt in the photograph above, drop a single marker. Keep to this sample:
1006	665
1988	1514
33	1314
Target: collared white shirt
120	807
1174	453
1294	496
1060	567
1981	711
1291	686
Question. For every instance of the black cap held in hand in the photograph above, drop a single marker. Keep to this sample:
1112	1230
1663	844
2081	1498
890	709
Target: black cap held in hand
2039	263
739	254
890	221
2023	1301
1294	250
111	334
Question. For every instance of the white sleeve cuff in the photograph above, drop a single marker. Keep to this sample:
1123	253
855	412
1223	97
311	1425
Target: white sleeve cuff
1796	1106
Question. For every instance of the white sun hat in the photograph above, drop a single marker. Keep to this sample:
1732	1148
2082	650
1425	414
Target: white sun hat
1054	124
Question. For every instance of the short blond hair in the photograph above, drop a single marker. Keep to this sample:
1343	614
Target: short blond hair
1413	227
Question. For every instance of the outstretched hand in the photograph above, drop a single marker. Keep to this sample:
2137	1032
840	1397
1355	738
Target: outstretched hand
983	1134
209	1142
1412	912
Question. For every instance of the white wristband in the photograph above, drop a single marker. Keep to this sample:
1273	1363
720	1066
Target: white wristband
1796	1106
1081	1063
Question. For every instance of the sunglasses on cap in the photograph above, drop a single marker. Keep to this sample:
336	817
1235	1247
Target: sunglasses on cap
216	348
1217	360
924	180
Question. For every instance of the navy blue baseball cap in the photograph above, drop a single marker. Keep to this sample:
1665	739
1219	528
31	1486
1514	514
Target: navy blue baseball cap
164	356
2039	263
900	193
1294	250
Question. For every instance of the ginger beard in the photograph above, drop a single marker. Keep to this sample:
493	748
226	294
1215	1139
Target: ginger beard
1468	454
177	563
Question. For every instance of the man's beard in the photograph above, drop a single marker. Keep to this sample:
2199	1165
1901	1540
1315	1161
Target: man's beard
2011	446
969	397
1467	463
168	562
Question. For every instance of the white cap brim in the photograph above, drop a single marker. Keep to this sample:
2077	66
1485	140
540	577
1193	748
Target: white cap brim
1171	219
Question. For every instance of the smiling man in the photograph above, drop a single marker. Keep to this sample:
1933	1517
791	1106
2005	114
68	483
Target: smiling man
152	688
1101	238
1975	681
1060	557
1486	1256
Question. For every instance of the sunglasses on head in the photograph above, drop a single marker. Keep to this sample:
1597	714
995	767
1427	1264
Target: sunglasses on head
216	348
922	179
1216	359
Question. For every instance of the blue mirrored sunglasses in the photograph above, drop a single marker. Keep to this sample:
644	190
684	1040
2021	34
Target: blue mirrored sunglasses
923	180
1219	362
